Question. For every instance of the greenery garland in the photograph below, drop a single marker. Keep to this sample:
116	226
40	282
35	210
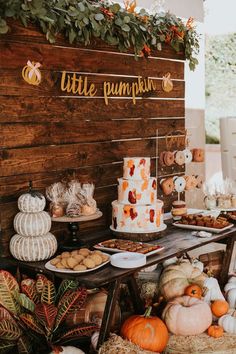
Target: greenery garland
82	20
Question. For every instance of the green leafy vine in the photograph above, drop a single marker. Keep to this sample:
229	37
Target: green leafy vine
123	27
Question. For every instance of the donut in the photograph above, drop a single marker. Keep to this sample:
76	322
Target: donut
179	183
199	180
167	185
198	155
179	158
161	158
191	182
188	156
169	158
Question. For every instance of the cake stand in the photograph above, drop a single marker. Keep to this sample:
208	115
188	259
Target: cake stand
73	227
139	236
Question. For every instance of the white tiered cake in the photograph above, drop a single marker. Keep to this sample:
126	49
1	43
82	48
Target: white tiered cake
137	209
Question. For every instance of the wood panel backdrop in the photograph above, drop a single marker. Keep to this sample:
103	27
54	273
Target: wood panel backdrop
47	134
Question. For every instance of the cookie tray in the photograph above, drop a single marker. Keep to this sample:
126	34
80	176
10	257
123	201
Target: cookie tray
202	228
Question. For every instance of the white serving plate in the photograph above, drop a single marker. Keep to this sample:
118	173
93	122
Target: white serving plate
159	229
117	250
51	267
127	260
202	228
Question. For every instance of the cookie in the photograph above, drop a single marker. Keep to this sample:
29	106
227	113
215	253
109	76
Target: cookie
89	263
71	262
54	261
64	262
84	252
80	267
97	259
59	266
65	254
105	257
79	258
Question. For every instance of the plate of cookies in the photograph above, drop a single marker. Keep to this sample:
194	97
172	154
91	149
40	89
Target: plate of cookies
201	222
78	261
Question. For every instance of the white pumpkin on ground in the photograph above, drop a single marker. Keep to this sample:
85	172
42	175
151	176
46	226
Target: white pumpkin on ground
176	277
186	315
32	224
228	322
31	202
67	350
230	291
212	290
32	249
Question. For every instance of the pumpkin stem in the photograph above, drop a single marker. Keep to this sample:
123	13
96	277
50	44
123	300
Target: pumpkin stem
148	311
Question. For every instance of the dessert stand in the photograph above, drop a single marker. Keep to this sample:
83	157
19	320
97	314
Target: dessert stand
139	236
73	227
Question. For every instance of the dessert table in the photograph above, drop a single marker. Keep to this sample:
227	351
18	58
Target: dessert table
175	241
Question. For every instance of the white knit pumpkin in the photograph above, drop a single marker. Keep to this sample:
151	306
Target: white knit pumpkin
32	224
228	322
32	249
68	350
230	290
31	203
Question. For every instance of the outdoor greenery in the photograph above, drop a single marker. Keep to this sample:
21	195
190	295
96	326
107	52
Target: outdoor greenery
220	82
82	20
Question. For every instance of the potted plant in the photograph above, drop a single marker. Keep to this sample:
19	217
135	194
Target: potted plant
33	314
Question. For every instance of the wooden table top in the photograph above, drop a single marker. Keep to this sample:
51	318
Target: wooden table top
175	241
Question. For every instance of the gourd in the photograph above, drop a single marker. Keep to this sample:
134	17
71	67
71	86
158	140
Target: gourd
212	290
230	289
31	202
215	331
94	339
219	307
186	315
228	322
32	224
67	350
149	333
175	278
33	248
194	291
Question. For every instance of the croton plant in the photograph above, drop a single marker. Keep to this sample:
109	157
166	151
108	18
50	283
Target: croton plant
33	314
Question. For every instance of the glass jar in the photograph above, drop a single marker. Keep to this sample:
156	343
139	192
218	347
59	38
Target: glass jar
233	201
210	201
224	202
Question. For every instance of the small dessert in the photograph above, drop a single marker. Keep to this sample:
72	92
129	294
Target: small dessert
198	155
167	185
178	209
179	158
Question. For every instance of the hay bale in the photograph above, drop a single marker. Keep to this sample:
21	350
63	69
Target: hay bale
201	344
117	345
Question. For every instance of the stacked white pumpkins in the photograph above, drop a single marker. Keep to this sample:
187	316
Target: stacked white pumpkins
33	241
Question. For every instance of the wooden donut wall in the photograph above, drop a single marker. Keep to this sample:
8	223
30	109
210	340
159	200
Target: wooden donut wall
47	134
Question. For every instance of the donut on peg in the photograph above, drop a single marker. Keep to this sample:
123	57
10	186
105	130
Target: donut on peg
188	156
199	181
198	155
179	158
191	182
169	158
167	185
179	183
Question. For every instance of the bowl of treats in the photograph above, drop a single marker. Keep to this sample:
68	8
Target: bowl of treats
203	222
78	261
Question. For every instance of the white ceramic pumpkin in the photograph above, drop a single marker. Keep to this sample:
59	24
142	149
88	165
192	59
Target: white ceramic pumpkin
175	278
230	290
212	290
31	203
186	315
228	322
32	224
32	249
94	339
67	350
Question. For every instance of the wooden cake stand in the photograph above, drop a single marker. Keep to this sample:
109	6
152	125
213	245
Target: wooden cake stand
73	227
139	236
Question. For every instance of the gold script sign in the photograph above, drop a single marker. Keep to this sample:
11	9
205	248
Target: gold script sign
79	85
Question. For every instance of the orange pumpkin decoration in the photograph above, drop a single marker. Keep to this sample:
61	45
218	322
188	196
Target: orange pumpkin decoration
149	333
219	307
194	291
215	331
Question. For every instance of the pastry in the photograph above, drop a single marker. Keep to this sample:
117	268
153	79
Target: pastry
84	252
161	158
179	158
178	208
169	158
80	267
199	181
198	155
188	156
167	185
191	182
89	263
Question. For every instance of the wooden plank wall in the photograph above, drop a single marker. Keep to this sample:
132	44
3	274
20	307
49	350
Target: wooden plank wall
46	135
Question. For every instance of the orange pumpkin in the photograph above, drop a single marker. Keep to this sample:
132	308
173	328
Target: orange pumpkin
215	331
149	333
194	291
219	307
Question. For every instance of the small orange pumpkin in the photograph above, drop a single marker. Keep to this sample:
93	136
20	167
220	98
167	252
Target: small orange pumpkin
149	333
219	307
215	331
194	291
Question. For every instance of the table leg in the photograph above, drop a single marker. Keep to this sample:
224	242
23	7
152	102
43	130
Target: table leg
135	295
227	259
112	296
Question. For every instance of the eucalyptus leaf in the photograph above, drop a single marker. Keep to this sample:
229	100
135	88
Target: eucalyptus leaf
125	28
99	17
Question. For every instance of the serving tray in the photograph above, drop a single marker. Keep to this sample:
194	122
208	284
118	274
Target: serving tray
202	228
